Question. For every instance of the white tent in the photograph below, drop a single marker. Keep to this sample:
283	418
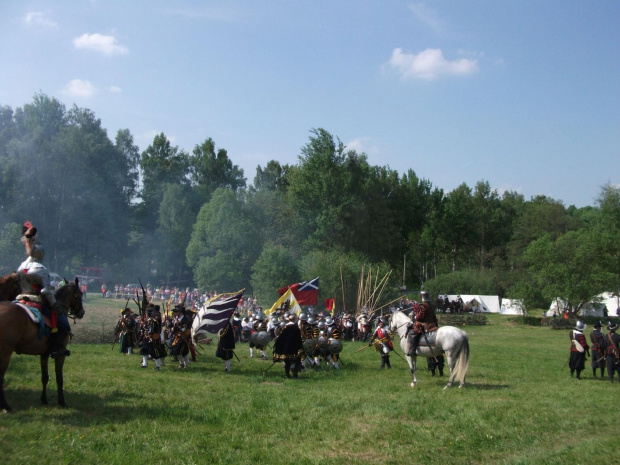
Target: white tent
479	303
606	299
512	307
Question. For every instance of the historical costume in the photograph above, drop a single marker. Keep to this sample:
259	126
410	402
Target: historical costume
306	335
332	332
288	347
578	349
181	331
226	345
34	280
152	337
236	324
598	349
382	341
612	341
434	363
126	331
423	322
258	327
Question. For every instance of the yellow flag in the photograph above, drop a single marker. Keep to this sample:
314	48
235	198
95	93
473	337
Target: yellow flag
293	306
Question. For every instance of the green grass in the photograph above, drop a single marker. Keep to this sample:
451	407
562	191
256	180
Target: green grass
518	407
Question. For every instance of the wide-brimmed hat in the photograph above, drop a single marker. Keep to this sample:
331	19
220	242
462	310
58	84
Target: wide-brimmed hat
612	326
125	310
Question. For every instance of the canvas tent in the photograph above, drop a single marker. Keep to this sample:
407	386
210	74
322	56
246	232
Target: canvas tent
512	307
479	303
606	299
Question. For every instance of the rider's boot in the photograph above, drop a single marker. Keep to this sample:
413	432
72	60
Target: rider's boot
414	340
57	348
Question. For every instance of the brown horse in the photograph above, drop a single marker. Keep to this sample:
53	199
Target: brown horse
9	286
20	335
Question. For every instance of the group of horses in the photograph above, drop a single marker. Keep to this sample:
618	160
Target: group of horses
19	334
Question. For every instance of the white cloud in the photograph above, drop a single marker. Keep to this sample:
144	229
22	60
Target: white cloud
115	89
107	45
362	145
79	88
430	64
428	17
39	18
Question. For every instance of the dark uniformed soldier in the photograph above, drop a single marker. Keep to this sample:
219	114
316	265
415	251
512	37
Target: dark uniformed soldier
424	321
226	345
612	341
181	331
598	349
126	331
578	349
288	347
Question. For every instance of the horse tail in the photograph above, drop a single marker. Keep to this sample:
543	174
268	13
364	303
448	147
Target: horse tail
462	361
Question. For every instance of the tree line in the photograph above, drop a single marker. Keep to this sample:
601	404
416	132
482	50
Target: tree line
168	216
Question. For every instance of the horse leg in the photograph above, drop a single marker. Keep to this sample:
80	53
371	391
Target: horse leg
60	361
4	365
451	361
412	362
45	377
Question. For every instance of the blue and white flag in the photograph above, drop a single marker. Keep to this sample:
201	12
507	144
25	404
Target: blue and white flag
216	313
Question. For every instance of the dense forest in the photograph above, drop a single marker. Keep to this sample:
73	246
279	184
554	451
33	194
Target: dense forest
190	219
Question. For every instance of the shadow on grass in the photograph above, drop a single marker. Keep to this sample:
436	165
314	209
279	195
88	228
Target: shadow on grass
84	409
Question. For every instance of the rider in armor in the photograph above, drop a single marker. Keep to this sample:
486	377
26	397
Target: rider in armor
34	280
383	337
423	321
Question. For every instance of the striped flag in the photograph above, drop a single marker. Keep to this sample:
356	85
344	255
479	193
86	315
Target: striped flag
216	313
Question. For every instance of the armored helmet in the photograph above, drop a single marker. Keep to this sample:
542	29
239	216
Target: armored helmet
303	317
329	321
425	297
580	326
311	320
322	325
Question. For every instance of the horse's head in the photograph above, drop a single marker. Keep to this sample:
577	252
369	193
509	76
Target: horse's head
71	296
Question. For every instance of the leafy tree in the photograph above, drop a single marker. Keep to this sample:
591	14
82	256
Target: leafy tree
131	153
568	267
458	226
272	178
11	249
222	248
276	267
177	215
210	170
471	281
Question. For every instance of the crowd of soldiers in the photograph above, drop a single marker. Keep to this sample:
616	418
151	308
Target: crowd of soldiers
604	352
156	336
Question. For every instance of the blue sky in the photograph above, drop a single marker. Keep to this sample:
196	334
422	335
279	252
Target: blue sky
522	94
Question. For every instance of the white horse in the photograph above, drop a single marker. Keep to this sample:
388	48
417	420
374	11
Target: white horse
451	340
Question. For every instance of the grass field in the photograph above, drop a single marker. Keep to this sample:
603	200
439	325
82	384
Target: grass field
519	406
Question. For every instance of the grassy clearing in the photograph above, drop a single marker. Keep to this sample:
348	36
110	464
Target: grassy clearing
519	406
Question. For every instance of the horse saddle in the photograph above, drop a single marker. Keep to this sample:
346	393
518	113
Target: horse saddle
430	336
33	311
